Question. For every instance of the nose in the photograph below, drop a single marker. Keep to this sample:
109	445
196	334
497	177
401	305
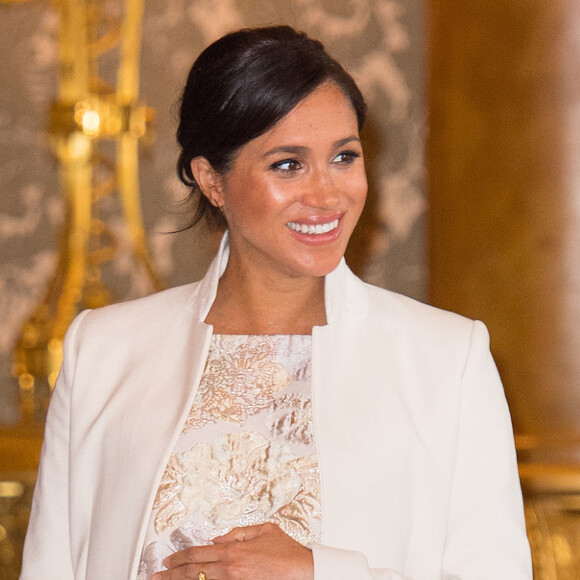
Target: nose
321	191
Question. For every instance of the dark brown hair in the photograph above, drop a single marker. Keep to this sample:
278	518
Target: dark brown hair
242	85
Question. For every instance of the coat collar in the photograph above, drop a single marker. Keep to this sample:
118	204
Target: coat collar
346	298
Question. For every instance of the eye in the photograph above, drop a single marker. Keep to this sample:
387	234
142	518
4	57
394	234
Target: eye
346	157
286	165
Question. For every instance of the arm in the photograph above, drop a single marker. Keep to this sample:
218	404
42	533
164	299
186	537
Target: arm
47	551
486	531
486	536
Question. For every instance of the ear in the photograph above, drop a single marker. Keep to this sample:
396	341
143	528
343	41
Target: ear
209	180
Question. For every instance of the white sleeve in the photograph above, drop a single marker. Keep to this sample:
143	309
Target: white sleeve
47	552
486	535
336	564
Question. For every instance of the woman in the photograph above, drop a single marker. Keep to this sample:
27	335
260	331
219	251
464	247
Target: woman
279	419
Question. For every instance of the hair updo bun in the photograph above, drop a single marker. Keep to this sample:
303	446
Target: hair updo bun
242	85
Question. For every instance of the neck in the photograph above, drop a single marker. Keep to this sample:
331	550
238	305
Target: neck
252	304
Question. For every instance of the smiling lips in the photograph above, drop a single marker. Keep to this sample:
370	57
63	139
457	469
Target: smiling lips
313	229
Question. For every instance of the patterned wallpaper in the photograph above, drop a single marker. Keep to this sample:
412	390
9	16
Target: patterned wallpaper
381	42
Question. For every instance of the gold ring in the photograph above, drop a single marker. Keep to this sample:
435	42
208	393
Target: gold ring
202	575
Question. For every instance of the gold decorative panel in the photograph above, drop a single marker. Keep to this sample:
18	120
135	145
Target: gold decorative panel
504	223
88	111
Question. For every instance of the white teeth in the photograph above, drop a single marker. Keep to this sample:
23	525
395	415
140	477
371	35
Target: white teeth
313	229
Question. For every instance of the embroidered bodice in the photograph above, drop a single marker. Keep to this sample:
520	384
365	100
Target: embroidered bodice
245	454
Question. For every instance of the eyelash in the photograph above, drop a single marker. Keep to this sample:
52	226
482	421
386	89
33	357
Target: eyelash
348	157
279	165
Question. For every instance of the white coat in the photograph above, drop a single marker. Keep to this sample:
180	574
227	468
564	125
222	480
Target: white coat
418	469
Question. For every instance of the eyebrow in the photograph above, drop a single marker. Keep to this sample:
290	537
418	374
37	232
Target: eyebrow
296	149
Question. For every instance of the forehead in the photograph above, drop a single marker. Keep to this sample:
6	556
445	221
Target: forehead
325	115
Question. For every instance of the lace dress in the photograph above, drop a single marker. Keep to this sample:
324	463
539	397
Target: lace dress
246	453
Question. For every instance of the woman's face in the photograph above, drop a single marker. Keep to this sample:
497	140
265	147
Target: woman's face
294	195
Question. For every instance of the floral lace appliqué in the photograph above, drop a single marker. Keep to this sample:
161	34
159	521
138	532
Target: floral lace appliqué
246	454
240	479
291	418
237	384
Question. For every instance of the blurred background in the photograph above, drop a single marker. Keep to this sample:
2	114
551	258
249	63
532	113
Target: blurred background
473	155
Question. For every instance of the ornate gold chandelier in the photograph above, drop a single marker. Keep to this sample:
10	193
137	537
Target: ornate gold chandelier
95	129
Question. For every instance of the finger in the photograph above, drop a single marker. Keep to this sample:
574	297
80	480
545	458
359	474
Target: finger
234	535
210	571
193	555
231	536
242	534
188	571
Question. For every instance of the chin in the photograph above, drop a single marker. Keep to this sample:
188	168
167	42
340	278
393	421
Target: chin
318	269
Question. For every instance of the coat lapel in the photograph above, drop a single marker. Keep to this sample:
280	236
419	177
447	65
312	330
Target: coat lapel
144	417
192	345
363	438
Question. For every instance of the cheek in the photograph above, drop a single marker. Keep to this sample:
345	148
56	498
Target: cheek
358	196
364	187
269	199
250	201
358	188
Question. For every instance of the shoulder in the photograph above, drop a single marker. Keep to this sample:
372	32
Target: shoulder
411	317
379	311
378	317
443	341
134	318
435	355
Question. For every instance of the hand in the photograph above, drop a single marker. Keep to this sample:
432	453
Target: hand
262	552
